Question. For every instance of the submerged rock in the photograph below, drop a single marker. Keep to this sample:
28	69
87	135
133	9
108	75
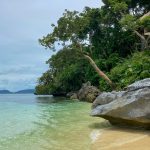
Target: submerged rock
88	92
131	107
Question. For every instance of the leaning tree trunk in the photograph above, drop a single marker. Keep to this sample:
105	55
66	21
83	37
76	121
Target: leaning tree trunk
100	73
146	36
144	43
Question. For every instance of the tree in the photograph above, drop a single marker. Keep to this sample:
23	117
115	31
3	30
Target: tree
133	15
65	74
102	36
140	26
76	30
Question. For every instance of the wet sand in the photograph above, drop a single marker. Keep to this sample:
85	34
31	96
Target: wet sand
114	138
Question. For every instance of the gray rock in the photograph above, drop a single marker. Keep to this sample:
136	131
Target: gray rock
88	93
139	84
68	95
106	97
131	107
74	96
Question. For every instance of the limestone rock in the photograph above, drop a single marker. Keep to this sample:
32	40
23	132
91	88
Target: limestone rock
88	93
139	84
106	97
131	107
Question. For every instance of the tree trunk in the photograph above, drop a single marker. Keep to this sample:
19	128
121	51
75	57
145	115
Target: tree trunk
144	42
100	73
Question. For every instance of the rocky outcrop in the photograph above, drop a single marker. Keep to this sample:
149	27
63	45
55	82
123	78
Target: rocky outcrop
139	85
88	93
130	107
72	95
106	97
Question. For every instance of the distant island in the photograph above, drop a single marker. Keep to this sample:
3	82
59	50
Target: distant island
26	91
5	92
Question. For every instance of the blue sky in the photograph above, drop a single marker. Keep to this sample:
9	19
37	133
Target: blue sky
22	23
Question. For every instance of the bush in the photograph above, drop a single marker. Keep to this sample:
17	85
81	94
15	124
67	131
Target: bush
135	68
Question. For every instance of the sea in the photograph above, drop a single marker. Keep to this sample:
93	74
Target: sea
30	122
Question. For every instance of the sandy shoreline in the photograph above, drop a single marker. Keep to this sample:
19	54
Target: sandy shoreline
114	138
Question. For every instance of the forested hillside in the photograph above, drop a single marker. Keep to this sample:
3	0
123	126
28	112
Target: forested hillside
98	45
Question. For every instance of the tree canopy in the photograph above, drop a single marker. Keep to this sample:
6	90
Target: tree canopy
103	36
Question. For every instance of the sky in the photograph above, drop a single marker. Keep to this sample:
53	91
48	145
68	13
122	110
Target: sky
22	23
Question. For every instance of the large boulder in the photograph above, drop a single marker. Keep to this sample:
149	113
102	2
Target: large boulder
139	84
130	107
88	93
106	97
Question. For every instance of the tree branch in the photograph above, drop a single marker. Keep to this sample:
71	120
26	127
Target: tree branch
139	35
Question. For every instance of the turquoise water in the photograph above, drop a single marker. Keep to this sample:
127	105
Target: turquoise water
29	122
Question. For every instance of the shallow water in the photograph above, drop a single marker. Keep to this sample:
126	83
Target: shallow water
29	122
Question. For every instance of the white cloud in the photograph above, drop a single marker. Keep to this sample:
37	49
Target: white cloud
20	77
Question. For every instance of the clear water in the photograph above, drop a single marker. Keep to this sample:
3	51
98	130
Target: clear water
29	122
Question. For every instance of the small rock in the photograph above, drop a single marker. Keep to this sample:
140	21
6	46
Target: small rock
74	96
88	93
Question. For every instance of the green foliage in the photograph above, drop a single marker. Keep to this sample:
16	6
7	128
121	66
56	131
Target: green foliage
130	70
65	73
118	5
97	30
42	89
146	23
106	35
129	22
